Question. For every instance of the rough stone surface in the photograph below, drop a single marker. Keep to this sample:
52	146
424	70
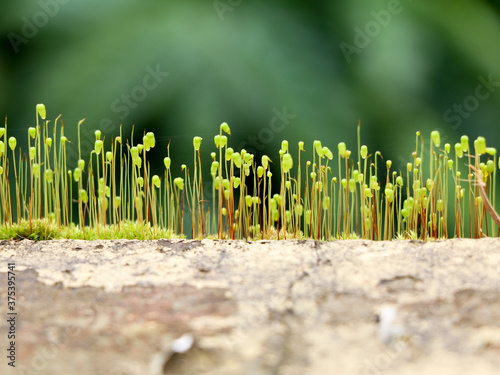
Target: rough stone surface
265	307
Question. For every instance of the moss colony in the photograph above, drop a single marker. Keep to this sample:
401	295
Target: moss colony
112	193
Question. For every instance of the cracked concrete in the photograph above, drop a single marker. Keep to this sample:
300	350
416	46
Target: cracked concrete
265	307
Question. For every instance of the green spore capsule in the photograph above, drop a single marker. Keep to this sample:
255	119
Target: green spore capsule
284	145
76	174
368	192
145	142
352	185
327	153
429	184
422	192
318	148
355	174
134	151
411	202
36	170
248	158
156	181
480	145
260	171
464	141
277	198
225	127
459	151
389	195
248	200
265	161
223	141
214	168
490	166
167	161
32	132
197	143
342	149
287	162
12	143
491	151
40	110
151	139
364	152
436	138
237	159
83	196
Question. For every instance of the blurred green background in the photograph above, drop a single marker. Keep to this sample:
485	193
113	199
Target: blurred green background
273	70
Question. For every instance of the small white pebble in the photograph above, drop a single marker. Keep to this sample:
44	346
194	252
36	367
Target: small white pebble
388	331
183	343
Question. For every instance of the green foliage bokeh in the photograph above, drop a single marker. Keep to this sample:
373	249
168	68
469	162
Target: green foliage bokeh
244	61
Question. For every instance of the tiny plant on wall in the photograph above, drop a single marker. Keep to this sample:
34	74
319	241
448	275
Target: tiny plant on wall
320	195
